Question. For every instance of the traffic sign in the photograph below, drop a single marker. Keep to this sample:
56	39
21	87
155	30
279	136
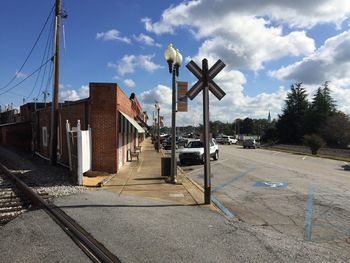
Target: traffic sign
205	82
205	79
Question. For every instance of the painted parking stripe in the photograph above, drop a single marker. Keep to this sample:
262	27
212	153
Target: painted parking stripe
233	180
304	158
223	209
309	212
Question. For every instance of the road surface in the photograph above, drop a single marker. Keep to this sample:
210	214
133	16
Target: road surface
301	196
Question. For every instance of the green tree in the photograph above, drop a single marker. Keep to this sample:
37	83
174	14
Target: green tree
336	130
247	126
314	141
270	135
291	124
238	126
322	106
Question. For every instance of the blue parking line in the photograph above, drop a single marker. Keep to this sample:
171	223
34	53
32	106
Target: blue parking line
309	212
219	205
233	180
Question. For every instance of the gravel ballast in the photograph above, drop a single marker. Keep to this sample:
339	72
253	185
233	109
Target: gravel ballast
37	173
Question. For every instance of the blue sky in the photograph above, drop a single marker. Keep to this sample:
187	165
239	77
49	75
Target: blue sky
266	45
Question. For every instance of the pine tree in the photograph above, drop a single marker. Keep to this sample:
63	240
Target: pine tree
322	107
291	124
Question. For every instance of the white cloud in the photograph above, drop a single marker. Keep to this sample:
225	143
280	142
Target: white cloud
112	34
234	105
124	66
21	74
145	62
160	93
297	13
147	40
248	43
68	94
128	64
129	83
243	38
330	62
248	34
341	96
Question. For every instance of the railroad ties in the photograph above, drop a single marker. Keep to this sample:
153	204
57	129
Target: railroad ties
15	198
12	201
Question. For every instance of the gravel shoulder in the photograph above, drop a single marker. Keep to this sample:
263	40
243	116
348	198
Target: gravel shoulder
36	172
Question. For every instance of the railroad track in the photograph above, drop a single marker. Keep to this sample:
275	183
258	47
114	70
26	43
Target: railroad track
12	201
18	197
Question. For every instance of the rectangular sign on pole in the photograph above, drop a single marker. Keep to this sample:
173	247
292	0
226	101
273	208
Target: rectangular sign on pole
182	96
161	118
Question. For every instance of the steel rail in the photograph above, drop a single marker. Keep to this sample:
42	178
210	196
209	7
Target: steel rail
90	246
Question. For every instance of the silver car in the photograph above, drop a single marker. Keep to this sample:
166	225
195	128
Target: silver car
251	144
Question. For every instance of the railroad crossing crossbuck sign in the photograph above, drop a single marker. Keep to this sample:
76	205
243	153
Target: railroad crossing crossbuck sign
205	82
202	78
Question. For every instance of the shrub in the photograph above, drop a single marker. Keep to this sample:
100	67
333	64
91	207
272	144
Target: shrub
314	141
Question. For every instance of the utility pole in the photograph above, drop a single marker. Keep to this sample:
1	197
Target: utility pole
46	94
54	106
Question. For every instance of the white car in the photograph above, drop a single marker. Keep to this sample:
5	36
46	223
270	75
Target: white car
194	152
225	139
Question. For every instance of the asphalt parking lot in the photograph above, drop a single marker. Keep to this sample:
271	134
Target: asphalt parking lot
297	195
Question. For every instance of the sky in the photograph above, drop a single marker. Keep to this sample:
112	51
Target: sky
266	46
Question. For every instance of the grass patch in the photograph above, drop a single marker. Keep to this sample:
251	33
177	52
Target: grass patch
296	152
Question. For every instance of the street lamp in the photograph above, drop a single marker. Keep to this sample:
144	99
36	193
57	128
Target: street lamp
158	131
174	59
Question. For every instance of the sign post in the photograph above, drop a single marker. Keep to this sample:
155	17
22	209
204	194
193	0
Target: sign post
205	82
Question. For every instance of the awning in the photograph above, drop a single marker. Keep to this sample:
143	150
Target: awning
142	123
133	123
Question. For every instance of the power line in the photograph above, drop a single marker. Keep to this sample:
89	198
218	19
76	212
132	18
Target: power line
26	77
48	80
50	71
30	52
45	54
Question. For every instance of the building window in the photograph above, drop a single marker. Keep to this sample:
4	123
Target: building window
44	132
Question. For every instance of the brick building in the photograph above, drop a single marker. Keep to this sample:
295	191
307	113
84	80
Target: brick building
116	121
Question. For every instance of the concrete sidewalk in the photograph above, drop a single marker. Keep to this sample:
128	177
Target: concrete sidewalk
143	178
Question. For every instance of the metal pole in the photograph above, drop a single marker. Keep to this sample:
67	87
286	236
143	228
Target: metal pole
154	127
173	131
207	184
54	106
158	132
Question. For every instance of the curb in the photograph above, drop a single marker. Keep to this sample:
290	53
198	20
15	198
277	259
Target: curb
106	180
190	179
215	203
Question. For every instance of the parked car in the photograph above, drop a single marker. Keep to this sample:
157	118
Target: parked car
251	144
181	142
228	140
225	139
167	144
194	152
163	137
